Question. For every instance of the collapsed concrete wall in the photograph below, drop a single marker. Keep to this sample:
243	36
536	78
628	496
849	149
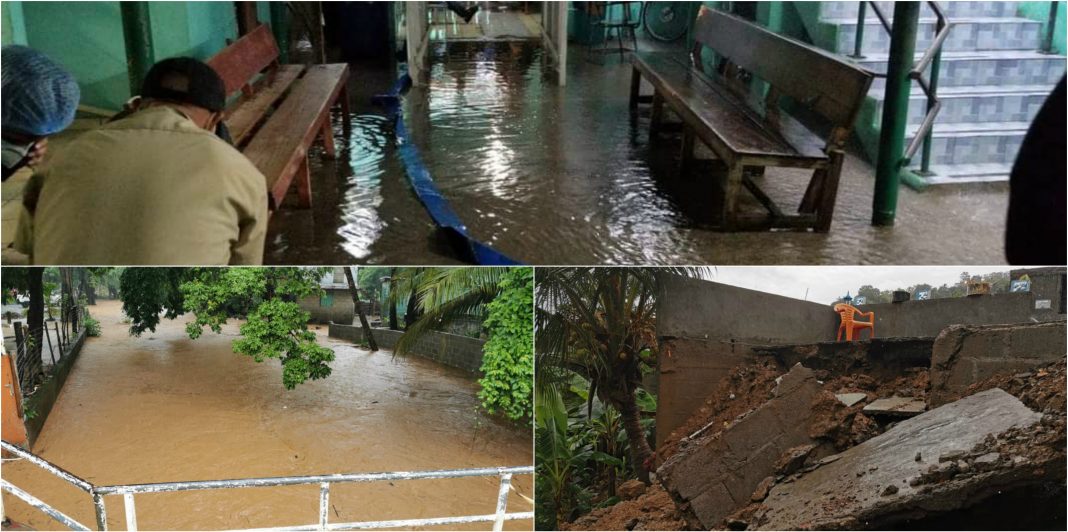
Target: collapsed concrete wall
452	350
707	328
884	358
945	459
966	354
717	472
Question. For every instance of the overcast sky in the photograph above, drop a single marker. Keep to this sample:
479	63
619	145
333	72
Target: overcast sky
825	284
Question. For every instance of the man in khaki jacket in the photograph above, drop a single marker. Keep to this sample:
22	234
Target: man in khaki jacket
156	187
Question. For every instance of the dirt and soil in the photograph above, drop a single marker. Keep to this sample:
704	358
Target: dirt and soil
1043	390
652	510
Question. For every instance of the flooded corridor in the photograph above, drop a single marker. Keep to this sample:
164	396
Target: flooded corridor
566	175
165	408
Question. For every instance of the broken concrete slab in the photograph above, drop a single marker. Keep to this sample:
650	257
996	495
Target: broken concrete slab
719	471
850	399
966	354
837	496
896	406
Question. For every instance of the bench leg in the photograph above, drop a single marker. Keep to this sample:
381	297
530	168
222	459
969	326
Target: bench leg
346	113
635	87
327	132
688	140
731	191
825	208
304	192
657	115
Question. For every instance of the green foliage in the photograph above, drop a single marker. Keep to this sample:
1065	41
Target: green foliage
278	329
92	326
507	357
148	292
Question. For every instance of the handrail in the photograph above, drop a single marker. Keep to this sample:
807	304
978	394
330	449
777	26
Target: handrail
129	490
932	57
1051	26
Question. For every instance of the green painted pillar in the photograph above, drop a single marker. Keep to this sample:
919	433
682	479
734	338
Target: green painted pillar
895	112
280	28
137	32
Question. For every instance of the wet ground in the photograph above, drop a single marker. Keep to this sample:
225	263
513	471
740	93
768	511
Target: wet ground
166	408
566	175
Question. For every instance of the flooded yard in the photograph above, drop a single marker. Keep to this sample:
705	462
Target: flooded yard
163	408
566	175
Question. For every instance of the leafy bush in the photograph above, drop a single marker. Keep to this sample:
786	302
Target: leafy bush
92	326
508	357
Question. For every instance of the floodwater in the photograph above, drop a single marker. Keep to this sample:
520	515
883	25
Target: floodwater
166	408
566	175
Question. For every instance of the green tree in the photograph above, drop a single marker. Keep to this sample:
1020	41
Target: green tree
600	324
446	295
276	326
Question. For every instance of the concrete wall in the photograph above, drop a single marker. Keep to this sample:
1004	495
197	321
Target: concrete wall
47	393
707	328
928	318
964	355
457	351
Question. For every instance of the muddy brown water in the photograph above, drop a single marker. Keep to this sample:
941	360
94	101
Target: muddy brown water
164	408
565	175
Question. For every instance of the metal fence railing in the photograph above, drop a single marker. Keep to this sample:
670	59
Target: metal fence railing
35	348
324	482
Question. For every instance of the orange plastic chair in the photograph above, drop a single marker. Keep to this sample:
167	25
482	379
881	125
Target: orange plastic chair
849	324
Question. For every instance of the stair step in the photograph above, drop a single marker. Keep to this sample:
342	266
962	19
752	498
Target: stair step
1004	67
975	104
831	10
943	174
967	34
974	143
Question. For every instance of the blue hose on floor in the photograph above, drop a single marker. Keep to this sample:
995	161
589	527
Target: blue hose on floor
470	249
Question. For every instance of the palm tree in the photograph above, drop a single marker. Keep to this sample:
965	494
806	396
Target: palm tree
443	295
599	323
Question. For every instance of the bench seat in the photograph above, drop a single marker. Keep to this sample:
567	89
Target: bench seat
722	119
243	118
279	148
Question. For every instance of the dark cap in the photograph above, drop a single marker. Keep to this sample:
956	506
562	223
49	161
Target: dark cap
185	80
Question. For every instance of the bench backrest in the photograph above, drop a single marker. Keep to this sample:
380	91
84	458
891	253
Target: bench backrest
829	86
240	62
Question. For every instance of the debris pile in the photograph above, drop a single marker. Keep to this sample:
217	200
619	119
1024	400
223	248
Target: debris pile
817	449
651	508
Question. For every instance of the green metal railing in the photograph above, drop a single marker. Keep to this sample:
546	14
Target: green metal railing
1051	28
932	58
893	156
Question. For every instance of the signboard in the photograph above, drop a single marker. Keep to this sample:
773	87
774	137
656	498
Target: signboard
1043	304
860	300
1020	285
923	295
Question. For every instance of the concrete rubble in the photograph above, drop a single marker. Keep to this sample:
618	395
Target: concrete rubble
880	481
836	447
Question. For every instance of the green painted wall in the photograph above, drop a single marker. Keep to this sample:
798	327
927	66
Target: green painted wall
1040	11
14	29
86	37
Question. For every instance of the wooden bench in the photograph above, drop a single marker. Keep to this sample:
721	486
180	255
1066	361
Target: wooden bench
717	108
280	110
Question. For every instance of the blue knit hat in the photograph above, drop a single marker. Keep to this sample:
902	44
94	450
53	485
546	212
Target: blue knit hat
39	96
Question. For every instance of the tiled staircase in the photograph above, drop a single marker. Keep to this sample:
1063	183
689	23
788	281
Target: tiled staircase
993	81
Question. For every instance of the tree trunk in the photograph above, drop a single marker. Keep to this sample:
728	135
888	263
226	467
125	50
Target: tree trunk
35	322
87	287
411	314
354	290
392	300
640	451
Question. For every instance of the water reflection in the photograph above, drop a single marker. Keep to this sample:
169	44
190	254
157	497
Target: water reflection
565	175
